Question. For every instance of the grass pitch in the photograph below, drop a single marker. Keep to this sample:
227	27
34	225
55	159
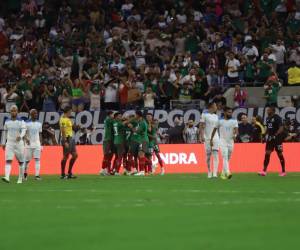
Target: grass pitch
169	212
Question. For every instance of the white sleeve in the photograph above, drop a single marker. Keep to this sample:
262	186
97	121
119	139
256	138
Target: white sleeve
236	124
238	64
41	128
202	119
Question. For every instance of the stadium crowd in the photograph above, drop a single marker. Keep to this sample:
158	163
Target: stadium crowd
96	54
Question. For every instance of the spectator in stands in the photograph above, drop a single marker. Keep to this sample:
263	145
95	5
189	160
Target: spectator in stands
257	133
233	66
77	96
190	133
280	54
95	99
48	135
272	88
240	97
64	99
264	67
175	134
149	98
10	98
294	74
245	129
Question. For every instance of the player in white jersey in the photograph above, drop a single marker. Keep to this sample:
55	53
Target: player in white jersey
12	141
209	120
228	129
33	146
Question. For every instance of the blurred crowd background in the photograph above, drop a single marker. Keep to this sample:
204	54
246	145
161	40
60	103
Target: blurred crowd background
122	54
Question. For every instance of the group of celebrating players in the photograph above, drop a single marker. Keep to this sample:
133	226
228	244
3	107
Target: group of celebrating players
131	141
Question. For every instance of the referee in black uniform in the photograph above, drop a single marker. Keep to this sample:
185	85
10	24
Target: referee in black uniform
274	139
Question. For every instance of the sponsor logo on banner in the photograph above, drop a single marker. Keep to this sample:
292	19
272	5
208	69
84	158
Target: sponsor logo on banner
88	119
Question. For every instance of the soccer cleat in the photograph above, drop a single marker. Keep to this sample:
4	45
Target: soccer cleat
38	178
134	172
63	177
4	179
224	176
20	181
262	173
25	176
229	176
209	175
282	174
104	172
141	173
71	176
116	174
162	172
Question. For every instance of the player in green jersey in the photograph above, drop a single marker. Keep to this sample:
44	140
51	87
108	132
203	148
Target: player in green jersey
139	141
107	144
119	139
128	160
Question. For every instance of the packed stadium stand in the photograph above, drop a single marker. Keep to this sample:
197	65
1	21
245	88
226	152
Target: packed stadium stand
112	54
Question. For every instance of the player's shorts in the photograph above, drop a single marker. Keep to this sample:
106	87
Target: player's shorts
226	148
107	147
12	150
72	146
32	153
119	149
274	145
216	145
136	147
156	148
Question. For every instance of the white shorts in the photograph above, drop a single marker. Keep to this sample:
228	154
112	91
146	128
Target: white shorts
226	148
216	145
32	153
12	150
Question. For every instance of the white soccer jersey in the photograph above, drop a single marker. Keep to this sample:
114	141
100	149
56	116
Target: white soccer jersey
210	121
13	129
226	128
34	128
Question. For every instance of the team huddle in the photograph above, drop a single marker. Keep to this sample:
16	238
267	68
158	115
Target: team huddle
131	141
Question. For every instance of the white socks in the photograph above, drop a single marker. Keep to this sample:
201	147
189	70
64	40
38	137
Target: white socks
216	162
7	170
37	167
21	170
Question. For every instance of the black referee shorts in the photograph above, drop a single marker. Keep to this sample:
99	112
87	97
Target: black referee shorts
274	145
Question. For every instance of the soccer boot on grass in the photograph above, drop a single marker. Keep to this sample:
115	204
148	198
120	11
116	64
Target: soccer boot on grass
4	179
282	174
223	176
141	173
25	176
20	181
38	178
262	173
209	175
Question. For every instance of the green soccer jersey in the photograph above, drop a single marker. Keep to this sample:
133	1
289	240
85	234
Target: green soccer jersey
141	132
108	132
152	136
119	132
128	134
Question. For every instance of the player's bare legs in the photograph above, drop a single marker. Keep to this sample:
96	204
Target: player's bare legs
7	171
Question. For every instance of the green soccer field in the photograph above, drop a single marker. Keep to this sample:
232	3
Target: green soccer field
169	212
